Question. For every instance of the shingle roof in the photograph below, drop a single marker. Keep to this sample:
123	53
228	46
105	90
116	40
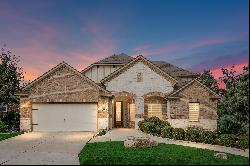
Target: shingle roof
172	69
116	59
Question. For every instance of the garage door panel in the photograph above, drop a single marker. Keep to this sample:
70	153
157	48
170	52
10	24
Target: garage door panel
64	117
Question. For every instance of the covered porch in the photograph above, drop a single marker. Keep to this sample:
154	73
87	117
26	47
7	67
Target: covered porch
129	109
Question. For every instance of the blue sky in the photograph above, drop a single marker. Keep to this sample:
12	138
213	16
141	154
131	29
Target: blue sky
193	34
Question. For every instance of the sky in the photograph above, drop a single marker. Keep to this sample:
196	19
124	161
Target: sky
196	35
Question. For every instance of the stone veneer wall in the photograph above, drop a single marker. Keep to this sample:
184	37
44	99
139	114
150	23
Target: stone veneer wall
208	108
149	81
104	113
25	114
64	86
61	87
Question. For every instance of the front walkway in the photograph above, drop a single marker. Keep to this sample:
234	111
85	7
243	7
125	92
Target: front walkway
122	134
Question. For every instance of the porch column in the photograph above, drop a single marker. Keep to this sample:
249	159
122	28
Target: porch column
139	105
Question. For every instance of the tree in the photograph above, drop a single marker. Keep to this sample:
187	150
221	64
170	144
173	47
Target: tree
233	109
208	79
11	76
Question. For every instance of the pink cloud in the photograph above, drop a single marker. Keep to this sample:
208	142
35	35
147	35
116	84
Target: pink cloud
183	46
217	73
38	50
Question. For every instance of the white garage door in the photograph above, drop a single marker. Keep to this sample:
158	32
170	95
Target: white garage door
64	117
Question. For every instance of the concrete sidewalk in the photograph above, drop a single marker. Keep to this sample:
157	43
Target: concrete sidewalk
122	134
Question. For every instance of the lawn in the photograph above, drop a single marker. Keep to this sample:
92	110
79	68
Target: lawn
9	135
105	153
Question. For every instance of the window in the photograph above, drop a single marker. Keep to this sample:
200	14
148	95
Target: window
3	108
155	110
118	111
139	77
132	112
194	109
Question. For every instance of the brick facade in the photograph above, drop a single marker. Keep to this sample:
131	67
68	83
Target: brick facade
62	86
194	93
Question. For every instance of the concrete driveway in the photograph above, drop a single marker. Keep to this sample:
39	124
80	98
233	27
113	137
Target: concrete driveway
43	148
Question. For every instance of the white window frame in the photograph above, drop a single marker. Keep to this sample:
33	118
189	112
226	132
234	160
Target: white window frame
194	111
6	108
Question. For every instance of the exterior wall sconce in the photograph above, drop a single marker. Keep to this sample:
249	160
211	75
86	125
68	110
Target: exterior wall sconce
24	105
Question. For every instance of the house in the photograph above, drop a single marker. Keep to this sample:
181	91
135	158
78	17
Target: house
118	91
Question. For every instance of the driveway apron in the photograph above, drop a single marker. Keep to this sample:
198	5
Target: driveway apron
44	148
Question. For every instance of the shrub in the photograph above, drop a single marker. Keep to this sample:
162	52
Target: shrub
3	127
102	132
178	133
228	140
141	125
228	124
11	120
193	134
208	137
243	142
149	127
167	132
153	125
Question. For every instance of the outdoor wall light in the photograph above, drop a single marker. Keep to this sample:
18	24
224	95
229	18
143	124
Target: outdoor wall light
24	105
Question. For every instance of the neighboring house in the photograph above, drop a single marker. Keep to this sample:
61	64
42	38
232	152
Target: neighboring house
4	109
118	91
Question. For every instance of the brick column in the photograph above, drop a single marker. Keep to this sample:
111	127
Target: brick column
25	115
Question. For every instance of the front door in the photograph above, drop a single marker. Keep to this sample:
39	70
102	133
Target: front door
118	114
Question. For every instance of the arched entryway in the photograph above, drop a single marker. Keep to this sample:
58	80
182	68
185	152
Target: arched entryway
155	104
124	110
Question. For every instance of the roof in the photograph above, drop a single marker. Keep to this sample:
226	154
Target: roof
116	59
139	58
174	94
51	71
123	59
120	59
172	69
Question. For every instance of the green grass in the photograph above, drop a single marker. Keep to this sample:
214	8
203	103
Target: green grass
9	135
105	153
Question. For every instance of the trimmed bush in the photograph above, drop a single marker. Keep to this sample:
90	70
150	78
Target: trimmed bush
167	132
178	133
102	132
193	134
228	140
243	142
150	128
153	125
3	127
208	137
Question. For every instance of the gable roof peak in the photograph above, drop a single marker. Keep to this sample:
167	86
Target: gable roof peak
145	61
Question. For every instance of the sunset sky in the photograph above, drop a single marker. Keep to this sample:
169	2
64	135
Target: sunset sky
193	34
